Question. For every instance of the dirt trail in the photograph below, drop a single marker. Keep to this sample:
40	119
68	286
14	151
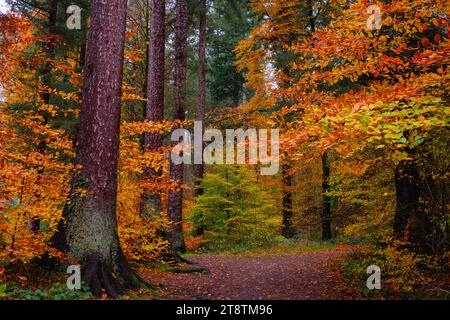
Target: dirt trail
300	276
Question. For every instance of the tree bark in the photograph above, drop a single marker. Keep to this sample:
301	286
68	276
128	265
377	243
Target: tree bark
90	232
326	210
200	168
287	231
151	201
175	206
326	201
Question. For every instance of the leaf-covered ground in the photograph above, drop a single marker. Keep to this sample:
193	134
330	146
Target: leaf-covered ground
300	276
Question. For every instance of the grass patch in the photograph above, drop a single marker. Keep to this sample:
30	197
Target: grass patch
280	247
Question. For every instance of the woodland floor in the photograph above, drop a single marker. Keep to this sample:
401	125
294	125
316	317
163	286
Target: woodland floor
299	276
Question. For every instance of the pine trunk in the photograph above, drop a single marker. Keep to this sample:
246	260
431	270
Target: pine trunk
199	168
90	232
175	206
151	201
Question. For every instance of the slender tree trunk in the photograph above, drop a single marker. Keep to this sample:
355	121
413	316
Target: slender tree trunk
82	56
145	87
288	230
34	223
49	48
200	168
326	210
236	93
90	232
81	68
175	206
151	201
326	201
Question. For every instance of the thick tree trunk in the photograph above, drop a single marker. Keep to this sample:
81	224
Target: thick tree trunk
287	231
90	232
151	201
175	206
326	210
34	223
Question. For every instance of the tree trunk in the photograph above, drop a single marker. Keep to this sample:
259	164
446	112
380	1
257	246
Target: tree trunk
34	223
49	48
288	230
326	201
326	210
200	168
175	206
90	232
151	201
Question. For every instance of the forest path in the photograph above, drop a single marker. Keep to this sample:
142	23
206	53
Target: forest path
300	276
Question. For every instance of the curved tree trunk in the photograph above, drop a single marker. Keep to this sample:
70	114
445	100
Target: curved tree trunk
175	206
151	201
90	232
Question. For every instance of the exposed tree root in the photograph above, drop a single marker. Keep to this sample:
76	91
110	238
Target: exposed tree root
130	278
183	265
98	274
179	259
190	269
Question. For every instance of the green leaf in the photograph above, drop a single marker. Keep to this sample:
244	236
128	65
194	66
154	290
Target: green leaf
419	139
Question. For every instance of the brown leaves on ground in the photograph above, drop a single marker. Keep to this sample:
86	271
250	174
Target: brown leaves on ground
302	276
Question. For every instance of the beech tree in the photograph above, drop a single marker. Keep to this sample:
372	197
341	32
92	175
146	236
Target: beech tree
89	230
288	230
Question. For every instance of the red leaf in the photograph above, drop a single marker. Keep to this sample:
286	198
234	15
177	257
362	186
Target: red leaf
437	37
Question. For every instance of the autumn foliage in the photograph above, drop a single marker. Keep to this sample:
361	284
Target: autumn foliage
363	113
